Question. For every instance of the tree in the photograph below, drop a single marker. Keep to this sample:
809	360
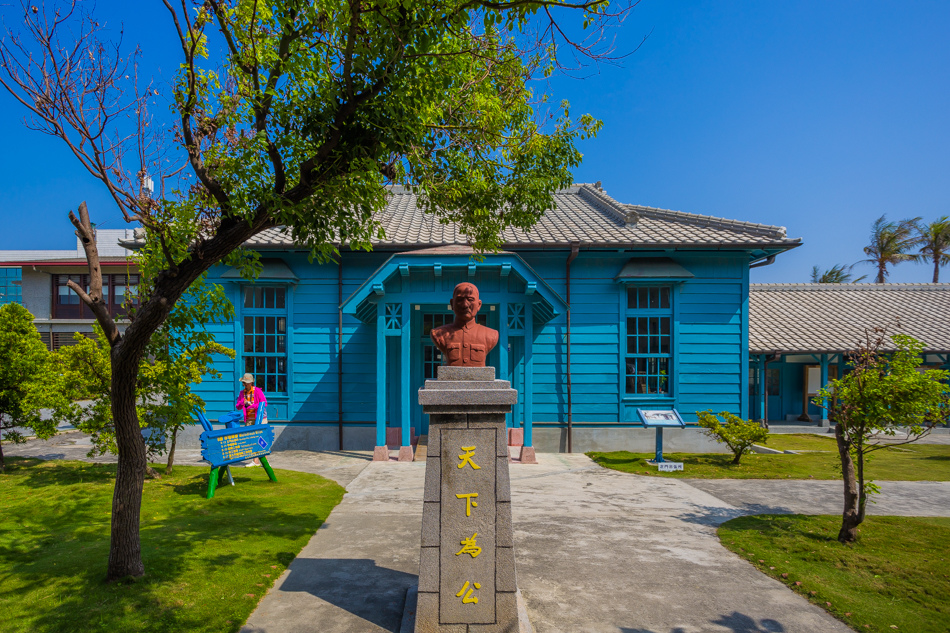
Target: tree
884	392
738	434
889	244
22	356
178	356
837	274
298	114
934	241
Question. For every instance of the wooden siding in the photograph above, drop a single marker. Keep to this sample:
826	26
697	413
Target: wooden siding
710	358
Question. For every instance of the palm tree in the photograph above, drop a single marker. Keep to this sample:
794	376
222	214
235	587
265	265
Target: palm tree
934	241
837	274
890	242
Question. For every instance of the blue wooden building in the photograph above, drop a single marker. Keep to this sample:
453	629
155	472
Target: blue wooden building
801	333
603	307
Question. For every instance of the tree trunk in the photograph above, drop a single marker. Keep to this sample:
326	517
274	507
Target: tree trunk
862	493
3	464
880	273
849	518
936	270
171	452
125	551
735	460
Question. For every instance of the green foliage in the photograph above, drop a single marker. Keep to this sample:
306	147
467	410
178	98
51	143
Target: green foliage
890	243
883	393
934	242
76	384
738	434
22	357
837	274
210	561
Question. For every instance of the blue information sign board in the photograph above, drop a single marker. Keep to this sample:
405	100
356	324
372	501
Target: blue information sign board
227	446
234	444
660	419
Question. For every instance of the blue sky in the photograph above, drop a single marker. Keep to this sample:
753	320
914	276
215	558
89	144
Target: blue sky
816	116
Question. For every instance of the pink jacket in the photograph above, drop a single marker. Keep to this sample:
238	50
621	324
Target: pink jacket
250	408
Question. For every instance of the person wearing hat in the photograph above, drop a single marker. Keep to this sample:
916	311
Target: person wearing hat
249	400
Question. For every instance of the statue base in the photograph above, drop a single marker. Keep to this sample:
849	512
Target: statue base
467	581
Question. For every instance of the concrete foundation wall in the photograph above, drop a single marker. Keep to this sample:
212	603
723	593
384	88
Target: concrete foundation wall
633	439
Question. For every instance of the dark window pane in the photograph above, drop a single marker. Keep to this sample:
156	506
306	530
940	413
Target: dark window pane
642	298
248	343
249	365
269	325
260	365
271	384
631	298
665	345
281	325
631	384
248	297
282	384
281	344
249	325
271	344
665	325
664	297
281	302
269	298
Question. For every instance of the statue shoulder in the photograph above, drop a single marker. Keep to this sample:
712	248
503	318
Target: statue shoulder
437	334
491	334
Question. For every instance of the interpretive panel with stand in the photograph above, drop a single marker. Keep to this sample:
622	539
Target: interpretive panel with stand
660	419
234	443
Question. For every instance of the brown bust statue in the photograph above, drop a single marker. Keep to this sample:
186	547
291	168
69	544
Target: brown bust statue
464	342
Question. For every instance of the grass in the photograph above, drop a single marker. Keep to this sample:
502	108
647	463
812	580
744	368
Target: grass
207	561
896	577
912	462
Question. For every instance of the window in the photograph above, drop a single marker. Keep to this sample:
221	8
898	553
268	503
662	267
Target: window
649	353
265	337
10	286
116	289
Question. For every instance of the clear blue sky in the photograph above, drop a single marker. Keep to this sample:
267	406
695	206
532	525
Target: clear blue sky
814	115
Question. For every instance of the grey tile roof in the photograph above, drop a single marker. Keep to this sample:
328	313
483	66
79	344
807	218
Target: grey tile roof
583	213
833	317
108	241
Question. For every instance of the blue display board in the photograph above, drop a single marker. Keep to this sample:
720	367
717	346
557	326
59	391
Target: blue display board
228	446
661	418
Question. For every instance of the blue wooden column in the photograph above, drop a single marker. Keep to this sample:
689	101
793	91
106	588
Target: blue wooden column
528	372
824	381
761	387
404	382
380	378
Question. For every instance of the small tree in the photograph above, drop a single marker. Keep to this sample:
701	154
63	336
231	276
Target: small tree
22	356
178	356
738	434
883	392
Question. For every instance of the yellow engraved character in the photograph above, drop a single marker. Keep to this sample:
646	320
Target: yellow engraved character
469	598
469	504
467	458
469	547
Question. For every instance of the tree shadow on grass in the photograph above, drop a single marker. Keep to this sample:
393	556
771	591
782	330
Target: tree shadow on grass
189	547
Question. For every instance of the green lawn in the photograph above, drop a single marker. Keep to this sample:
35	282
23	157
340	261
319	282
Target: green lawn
207	562
912	462
896	577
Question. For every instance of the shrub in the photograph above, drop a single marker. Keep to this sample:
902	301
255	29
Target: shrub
738	434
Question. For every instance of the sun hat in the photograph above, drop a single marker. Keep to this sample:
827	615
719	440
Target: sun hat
247	378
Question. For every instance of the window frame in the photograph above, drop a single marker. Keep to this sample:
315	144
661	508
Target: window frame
79	310
673	313
243	355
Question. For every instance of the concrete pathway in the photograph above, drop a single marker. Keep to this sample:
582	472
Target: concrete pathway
597	550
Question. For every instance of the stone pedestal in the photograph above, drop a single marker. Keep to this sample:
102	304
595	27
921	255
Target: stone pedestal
467	564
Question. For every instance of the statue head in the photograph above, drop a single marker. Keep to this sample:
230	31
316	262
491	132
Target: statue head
465	302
